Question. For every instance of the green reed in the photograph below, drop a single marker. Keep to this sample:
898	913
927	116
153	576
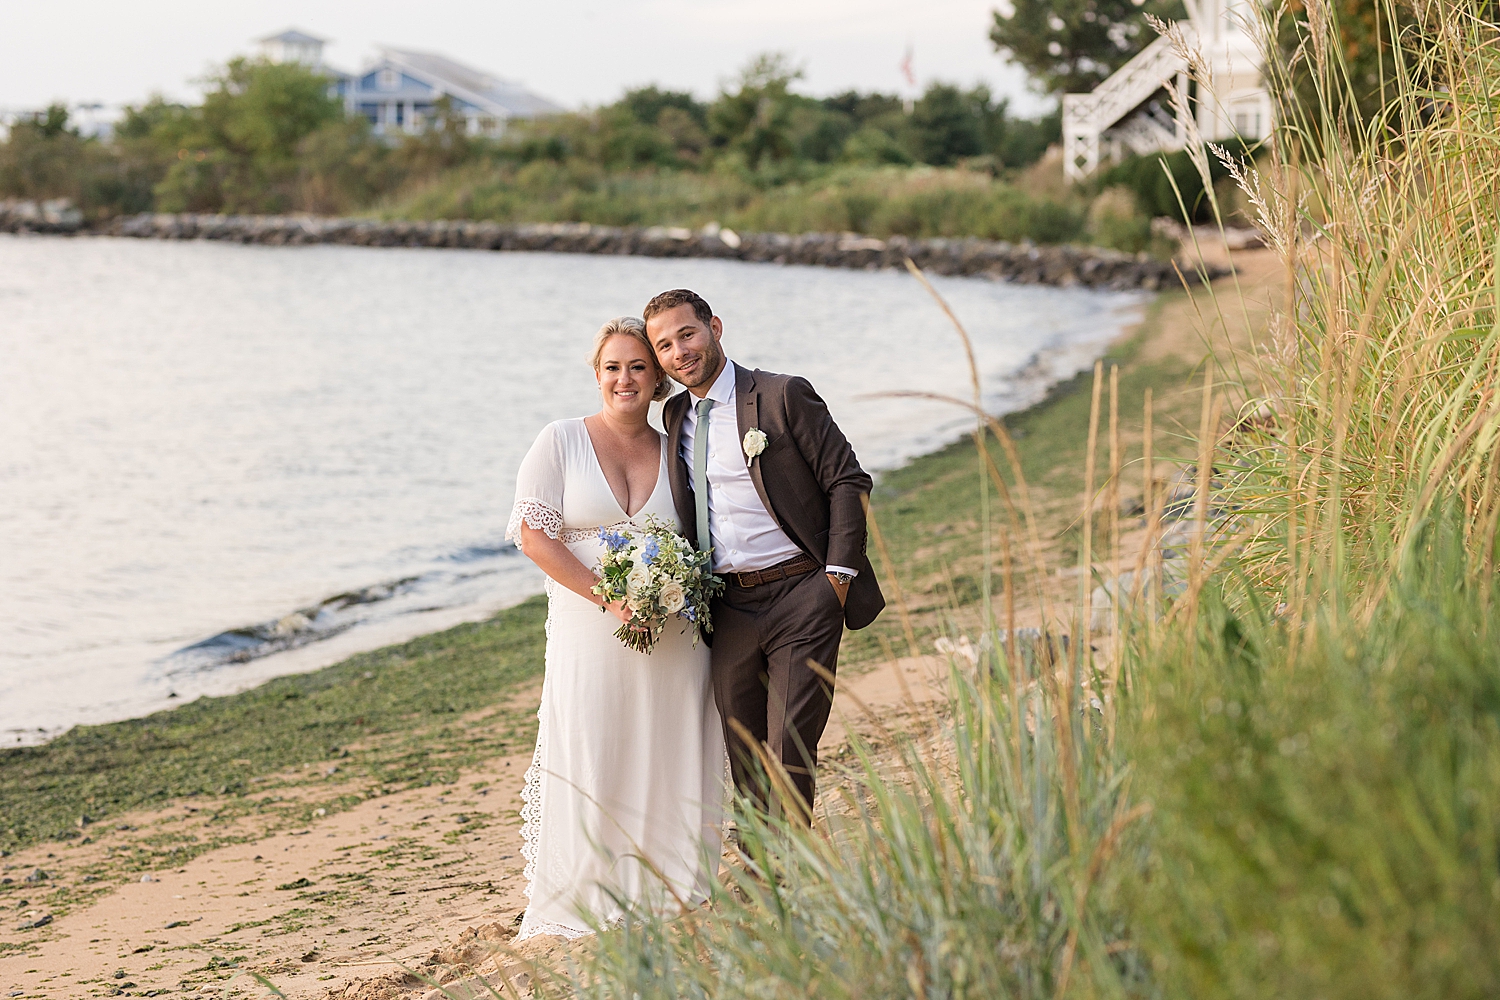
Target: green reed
1325	794
1320	743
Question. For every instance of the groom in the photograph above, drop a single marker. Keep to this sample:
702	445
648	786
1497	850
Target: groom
760	472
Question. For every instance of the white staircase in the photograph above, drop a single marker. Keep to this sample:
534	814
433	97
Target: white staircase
1230	100
1087	117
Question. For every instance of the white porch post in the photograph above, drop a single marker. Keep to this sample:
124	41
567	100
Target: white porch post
1187	108
1205	113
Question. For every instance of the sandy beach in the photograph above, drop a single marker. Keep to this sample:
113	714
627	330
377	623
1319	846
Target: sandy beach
365	903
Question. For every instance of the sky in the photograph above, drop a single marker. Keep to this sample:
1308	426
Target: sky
576	52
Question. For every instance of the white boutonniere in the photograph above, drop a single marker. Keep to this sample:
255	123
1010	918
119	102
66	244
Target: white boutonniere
754	443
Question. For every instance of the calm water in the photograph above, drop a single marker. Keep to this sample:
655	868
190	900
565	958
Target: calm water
220	463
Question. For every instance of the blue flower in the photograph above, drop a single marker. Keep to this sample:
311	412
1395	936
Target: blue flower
650	552
614	540
689	614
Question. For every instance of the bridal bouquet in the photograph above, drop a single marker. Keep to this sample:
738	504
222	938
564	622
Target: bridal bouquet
657	574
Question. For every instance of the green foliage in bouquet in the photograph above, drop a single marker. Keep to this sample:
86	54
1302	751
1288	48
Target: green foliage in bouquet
658	576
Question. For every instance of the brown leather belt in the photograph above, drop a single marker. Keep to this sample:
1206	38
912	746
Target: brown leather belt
795	566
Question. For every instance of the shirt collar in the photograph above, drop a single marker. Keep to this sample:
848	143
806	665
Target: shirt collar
722	391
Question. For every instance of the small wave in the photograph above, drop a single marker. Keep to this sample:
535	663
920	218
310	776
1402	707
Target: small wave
321	621
458	576
473	553
1048	367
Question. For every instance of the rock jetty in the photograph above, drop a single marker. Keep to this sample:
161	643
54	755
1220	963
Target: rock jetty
1065	266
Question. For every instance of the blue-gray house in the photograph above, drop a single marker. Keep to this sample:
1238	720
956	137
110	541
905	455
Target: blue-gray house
398	91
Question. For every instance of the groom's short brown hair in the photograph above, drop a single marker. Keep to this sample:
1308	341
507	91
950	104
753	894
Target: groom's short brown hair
674	297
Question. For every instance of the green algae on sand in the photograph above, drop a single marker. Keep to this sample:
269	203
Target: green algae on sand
390	718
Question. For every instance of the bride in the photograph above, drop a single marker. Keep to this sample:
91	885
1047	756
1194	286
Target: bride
627	782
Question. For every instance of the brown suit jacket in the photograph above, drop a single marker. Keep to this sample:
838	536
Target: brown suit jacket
807	477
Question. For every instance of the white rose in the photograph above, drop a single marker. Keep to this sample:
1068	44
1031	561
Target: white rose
638	580
755	442
672	597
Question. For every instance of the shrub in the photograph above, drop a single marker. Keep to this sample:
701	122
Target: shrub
875	147
1114	221
1156	182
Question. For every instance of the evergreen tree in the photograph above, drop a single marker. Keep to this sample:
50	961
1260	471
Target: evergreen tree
756	118
948	124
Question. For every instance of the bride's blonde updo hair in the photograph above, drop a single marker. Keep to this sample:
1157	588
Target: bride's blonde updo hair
629	326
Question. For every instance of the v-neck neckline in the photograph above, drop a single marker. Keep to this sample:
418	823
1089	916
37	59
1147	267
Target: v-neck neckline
599	467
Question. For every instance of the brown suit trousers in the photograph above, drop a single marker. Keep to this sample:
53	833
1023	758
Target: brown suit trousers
764	638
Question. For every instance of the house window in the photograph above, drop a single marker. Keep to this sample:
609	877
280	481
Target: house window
389	79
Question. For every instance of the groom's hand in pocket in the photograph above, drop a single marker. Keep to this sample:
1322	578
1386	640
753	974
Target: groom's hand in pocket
841	589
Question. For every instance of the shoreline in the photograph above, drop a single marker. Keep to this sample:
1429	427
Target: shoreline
1054	392
518	609
409	758
287	643
1063	265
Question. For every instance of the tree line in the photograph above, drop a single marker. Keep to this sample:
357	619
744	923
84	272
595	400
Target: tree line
272	137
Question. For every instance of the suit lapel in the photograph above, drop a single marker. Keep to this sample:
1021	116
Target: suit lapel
747	411
679	476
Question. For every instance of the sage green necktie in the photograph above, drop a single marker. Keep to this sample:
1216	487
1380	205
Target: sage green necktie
700	472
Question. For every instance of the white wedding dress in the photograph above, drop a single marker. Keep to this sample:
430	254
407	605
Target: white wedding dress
629	759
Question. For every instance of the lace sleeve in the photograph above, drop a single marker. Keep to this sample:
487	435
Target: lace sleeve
536	514
539	487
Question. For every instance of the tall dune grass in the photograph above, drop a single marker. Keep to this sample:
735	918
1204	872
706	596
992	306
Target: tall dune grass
1381	363
1326	797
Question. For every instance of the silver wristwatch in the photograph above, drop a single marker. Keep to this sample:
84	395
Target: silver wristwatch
842	579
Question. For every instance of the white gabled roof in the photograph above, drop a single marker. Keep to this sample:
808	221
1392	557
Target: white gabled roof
501	97
292	36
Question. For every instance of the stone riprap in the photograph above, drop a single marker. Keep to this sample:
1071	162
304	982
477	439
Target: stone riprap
55	216
1065	266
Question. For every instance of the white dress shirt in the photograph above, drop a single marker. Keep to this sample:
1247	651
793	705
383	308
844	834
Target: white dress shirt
745	536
